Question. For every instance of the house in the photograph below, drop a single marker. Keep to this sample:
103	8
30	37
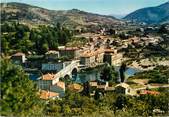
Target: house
50	83
47	80
48	95
108	56
59	87
93	84
53	66
91	58
101	86
18	58
98	85
123	88
52	55
99	55
112	57
70	52
88	59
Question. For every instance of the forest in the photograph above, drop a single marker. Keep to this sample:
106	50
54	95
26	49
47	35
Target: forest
20	37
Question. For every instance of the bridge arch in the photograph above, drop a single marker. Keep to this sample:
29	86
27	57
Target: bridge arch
74	73
67	76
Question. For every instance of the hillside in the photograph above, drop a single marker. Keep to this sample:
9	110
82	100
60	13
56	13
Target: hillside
71	18
158	14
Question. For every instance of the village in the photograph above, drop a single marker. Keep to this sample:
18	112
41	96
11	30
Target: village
104	46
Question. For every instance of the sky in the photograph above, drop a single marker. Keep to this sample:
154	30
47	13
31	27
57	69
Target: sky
105	7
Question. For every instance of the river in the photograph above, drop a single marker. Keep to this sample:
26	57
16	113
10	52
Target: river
95	74
90	75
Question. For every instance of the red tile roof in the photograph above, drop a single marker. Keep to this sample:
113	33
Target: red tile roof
109	50
60	84
144	92
48	77
92	53
47	94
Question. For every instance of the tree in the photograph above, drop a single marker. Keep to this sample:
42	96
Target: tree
122	71
163	29
121	102
19	94
109	74
21	37
45	48
66	110
5	45
97	95
86	90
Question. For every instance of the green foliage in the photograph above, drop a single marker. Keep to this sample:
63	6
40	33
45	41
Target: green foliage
97	95
86	89
74	104
163	29
18	93
122	70
109	74
121	102
20	37
77	41
4	45
159	74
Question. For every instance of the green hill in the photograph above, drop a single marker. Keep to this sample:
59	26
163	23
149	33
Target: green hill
158	14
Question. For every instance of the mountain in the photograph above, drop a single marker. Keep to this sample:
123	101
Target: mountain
118	16
150	15
36	15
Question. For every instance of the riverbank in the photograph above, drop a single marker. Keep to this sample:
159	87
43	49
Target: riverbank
148	64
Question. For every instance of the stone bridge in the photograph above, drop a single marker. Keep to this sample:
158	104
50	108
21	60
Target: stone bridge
69	70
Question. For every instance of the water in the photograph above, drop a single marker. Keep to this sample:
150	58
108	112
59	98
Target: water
34	76
91	75
131	71
95	74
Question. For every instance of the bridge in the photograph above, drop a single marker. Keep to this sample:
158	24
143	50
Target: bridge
68	70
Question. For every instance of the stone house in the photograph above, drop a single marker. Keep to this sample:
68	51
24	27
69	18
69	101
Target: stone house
99	55
112	57
48	82
92	58
52	55
54	67
59	87
123	88
70	52
88	59
101	86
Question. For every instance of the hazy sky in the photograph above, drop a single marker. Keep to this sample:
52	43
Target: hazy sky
96	6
